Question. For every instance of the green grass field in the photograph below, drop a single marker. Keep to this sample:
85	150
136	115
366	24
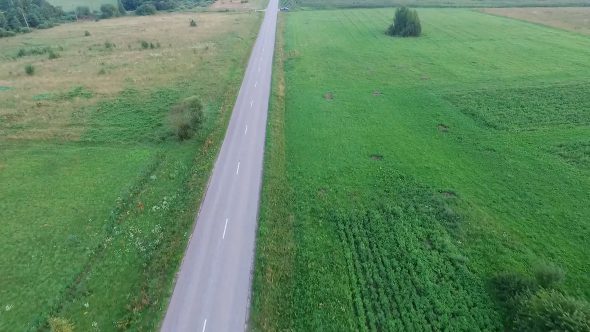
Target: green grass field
433	3
97	197
69	5
402	175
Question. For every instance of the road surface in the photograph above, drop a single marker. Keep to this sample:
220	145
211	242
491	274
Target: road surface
212	291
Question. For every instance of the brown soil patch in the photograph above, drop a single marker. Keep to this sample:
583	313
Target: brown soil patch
328	96
377	93
570	18
442	127
376	157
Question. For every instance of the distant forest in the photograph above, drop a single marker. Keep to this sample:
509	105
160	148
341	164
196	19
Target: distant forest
24	15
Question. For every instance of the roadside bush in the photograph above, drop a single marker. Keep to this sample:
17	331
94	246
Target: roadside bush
549	310
145	9
405	23
186	118
108	11
549	275
30	70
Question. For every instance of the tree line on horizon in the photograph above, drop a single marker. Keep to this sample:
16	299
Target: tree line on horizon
21	16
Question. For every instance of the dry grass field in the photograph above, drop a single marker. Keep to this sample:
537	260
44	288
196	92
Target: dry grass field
575	19
103	64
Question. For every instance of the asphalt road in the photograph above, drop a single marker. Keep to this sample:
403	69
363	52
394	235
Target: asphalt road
212	291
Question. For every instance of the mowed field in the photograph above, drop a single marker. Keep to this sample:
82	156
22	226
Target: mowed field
98	197
575	19
403	175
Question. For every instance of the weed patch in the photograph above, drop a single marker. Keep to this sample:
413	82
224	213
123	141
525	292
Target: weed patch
398	283
527	108
575	153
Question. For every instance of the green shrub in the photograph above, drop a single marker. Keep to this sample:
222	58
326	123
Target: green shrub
549	310
108	45
549	275
46	25
57	324
86	33
405	23
53	55
144	44
109	10
30	70
186	118
6	33
83	11
193	23
507	286
146	9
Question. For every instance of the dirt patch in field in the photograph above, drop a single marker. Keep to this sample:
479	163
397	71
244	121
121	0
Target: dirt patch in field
442	127
572	18
328	96
376	157
377	93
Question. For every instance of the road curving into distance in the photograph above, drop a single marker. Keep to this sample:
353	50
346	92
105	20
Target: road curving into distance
212	291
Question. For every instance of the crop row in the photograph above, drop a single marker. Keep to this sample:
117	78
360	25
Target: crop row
407	274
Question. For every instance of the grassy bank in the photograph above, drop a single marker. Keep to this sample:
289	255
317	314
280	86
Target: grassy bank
416	170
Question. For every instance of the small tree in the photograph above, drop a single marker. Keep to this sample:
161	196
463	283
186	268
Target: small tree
3	21
193	23
405	23
83	12
145	9
30	70
109	10
186	118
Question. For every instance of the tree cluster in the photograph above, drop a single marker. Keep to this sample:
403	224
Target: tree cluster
23	15
142	5
405	23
